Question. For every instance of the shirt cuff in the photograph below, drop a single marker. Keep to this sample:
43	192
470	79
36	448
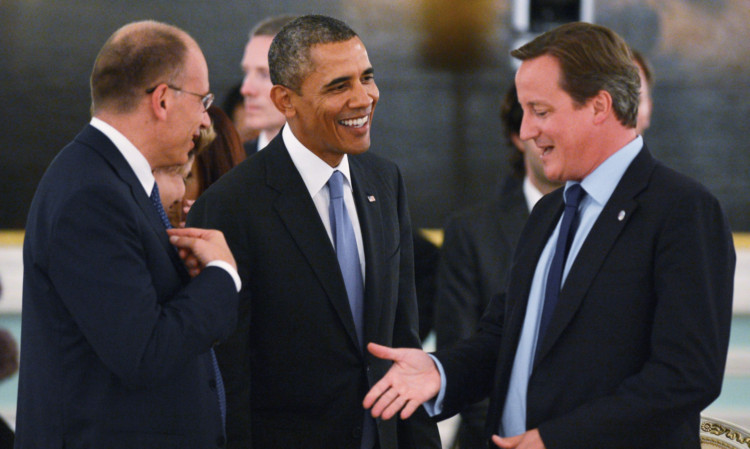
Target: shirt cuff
229	269
434	407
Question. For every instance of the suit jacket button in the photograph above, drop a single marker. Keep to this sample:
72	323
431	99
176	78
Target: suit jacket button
357	432
221	441
212	384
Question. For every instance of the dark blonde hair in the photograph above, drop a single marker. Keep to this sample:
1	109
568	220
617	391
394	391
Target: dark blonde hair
592	58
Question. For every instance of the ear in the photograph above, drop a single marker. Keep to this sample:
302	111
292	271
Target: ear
159	101
281	97
601	104
517	142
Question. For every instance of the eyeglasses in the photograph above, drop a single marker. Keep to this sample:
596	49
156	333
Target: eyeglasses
207	100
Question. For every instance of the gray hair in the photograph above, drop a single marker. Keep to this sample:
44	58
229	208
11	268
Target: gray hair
289	58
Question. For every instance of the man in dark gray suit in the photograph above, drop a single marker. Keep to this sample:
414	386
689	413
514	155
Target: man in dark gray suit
296	370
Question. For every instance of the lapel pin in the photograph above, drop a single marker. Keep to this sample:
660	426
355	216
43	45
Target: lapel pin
371	198
621	215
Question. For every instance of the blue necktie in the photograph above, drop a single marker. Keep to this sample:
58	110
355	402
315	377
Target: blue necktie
345	244
554	278
156	202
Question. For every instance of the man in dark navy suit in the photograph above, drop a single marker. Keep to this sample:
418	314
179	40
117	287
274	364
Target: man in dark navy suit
116	336
614	326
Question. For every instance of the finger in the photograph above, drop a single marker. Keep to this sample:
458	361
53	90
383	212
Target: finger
376	392
184	243
384	401
189	232
383	352
507	443
394	407
409	408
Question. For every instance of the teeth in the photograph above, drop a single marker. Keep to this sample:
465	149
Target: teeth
355	122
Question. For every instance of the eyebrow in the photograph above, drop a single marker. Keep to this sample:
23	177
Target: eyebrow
341	79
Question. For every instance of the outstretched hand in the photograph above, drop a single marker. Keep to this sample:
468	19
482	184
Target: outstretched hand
412	380
198	247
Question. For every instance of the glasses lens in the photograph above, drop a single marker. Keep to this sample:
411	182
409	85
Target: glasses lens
207	100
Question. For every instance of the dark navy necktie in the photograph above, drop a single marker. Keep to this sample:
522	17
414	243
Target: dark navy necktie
156	202
554	277
345	244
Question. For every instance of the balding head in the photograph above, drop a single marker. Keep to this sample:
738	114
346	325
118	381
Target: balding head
137	57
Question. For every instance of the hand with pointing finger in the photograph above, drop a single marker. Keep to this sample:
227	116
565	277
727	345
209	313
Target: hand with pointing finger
412	380
198	247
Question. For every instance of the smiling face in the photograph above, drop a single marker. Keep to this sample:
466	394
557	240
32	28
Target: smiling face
333	113
558	126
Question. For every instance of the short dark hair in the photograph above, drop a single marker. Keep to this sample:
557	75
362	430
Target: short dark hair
270	26
135	58
289	56
511	114
592	58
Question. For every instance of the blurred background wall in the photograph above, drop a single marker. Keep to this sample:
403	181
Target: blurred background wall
442	67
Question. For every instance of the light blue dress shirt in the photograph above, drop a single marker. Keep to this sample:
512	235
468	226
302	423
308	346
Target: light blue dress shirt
599	186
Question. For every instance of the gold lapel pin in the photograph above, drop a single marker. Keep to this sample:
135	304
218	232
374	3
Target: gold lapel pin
371	198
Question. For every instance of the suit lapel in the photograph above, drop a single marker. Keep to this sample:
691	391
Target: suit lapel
300	217
95	139
614	217
371	225
532	241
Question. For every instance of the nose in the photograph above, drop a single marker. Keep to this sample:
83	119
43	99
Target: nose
248	87
528	129
363	95
205	120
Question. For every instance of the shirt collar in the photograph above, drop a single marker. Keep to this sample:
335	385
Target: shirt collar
531	193
601	183
314	171
135	159
263	140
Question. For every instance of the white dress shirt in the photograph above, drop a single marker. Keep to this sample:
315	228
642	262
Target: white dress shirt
142	169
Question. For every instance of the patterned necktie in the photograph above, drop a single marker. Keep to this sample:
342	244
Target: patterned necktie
345	244
554	278
156	202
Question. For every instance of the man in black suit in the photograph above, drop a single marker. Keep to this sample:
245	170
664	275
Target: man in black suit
116	337
633	345
260	112
478	249
297	369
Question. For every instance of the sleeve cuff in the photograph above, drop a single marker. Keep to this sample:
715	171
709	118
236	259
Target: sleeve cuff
232	272
434	407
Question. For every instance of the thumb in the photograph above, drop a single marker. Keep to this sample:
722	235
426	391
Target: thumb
507	443
382	352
